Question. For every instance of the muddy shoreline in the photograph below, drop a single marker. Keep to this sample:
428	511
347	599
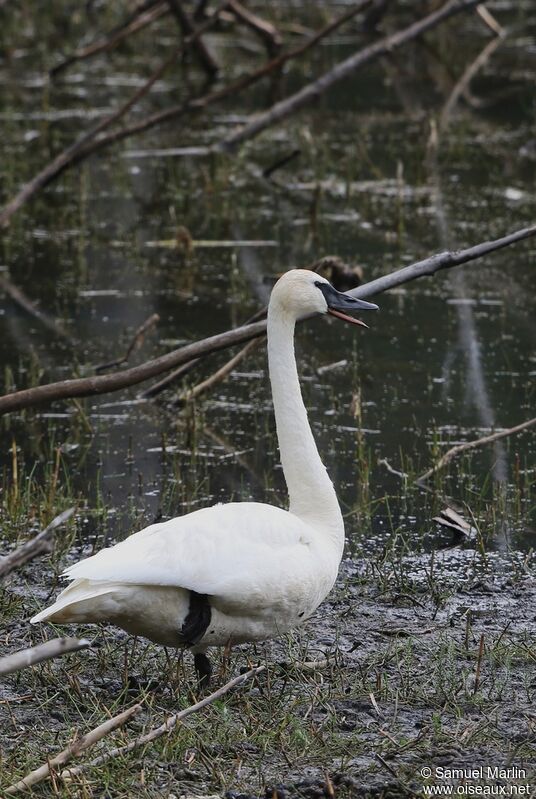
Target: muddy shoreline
399	694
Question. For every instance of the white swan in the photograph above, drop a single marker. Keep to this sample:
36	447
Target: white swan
244	571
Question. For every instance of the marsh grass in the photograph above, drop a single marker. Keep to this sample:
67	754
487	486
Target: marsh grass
401	632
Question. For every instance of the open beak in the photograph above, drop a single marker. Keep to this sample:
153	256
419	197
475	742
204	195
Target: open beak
346	318
338	302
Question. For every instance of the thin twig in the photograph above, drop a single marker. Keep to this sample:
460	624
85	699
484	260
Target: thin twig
489	20
183	370
217	376
24	302
74	749
479	442
55	648
166	381
103	384
134	24
135	344
35	546
169	724
468	75
265	30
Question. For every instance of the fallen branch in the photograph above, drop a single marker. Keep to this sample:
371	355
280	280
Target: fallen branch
37	654
479	442
166	381
312	91
20	298
103	384
74	749
135	344
169	724
161	385
38	545
79	148
469	73
88	143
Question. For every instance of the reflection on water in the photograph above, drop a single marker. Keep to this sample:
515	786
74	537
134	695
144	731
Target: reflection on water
446	360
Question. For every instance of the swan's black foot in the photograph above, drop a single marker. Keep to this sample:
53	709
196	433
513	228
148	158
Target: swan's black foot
203	669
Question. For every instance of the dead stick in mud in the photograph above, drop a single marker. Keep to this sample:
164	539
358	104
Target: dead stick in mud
91	142
24	302
312	91
75	748
135	344
217	376
479	442
169	724
135	22
55	648
103	384
38	545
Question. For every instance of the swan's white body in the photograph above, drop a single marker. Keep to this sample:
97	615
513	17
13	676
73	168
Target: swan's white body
261	569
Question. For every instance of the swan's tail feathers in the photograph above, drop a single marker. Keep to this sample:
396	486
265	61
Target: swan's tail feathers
80	602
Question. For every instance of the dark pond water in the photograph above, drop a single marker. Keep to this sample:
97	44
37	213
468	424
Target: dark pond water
447	360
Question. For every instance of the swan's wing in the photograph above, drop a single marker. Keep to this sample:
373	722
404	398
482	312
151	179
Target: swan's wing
244	553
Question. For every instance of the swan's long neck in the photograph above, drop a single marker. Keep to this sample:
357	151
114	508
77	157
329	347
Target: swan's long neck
311	493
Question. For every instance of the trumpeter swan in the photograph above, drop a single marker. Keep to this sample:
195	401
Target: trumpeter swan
244	571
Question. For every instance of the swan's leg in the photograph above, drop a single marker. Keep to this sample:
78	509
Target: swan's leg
203	669
226	658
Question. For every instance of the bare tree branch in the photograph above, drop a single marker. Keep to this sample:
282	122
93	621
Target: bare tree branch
217	376
91	141
24	302
37	654
74	749
89	386
135	22
463	83
265	30
135	343
479	442
169	724
35	546
312	91
79	148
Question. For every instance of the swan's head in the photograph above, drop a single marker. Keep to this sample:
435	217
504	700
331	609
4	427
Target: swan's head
301	292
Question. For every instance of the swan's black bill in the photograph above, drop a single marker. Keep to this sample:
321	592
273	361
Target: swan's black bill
337	301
